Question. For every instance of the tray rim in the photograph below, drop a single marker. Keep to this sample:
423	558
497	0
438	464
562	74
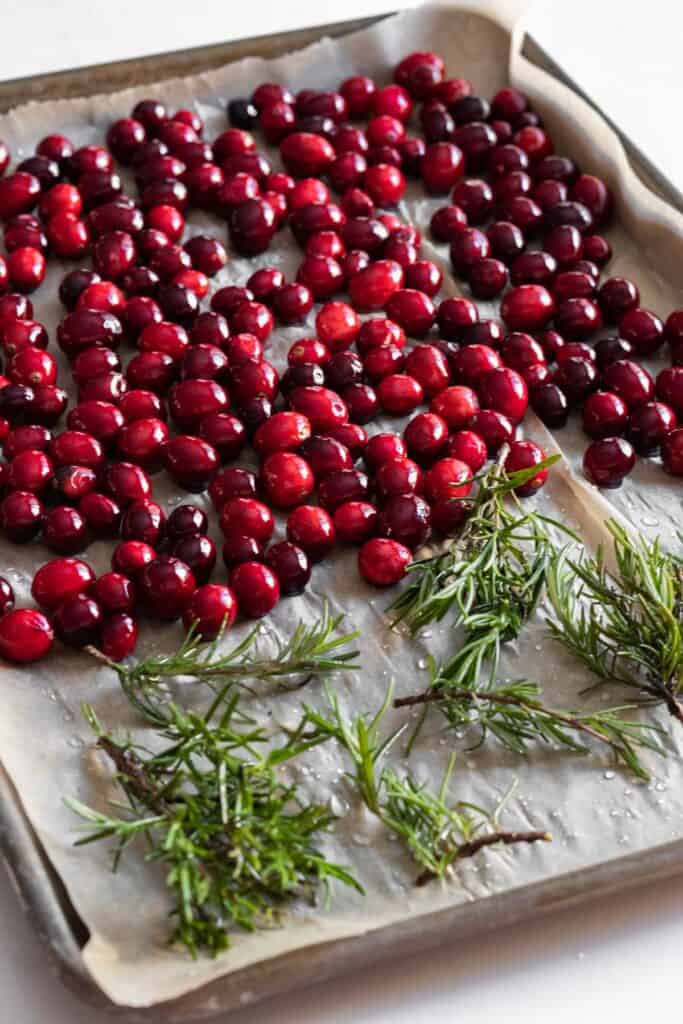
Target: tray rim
41	893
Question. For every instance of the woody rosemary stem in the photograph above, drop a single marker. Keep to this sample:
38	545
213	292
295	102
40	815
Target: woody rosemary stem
490	839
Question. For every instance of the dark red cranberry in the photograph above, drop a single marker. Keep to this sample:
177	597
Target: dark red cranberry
302	375
468	247
578	318
406	518
550	404
241	548
630	381
473	197
114	592
537	268
59	580
573	284
604	415
118	636
565	244
577	376
324	455
447	222
64	530
178	303
609	350
256	588
528	307
166	586
21	516
344	485
199	553
255	411
473	362
6	597
643	329
143	520
77	621
291	566
616	297
364	233
311	528
73	284
398	475
649	425
494	428
191	461
607	461
468	447
101	419
504	390
672	452
192	399
488	278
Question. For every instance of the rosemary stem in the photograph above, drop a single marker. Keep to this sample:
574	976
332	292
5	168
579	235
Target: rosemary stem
473	847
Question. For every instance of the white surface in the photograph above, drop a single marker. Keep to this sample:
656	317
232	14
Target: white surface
614	960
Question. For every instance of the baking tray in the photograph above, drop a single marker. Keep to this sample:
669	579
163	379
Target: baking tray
40	890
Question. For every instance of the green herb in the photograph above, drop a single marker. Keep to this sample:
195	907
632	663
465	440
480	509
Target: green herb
315	650
515	714
435	831
626	626
236	842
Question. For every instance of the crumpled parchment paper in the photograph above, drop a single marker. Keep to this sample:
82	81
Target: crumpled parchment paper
595	813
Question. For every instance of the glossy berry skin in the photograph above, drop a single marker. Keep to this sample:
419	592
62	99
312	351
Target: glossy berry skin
412	310
248	517
30	470
373	287
607	461
468	247
382	562
578	318
616	297
577	376
325	455
447	222
256	588
604	415
101	513
118	636
447	479
397	476
524	455
643	329
25	636
240	548
648	426
527	307
6	596
131	556
143	520
504	389
355	522
609	350
425	437
21	516
190	460
114	592
64	530
287	479
126	482
59	580
672	452
399	394
322	407
406	518
442	165
198	552
212	608
494	428
77	621
290	565
630	381
468	447
312	529
550	404
165	587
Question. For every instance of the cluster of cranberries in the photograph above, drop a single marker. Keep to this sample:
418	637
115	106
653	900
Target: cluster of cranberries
198	387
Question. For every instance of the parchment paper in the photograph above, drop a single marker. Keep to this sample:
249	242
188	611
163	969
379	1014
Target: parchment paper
594	812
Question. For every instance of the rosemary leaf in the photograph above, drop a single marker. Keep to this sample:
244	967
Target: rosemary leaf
237	843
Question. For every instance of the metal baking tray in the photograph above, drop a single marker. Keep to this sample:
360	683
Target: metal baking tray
40	890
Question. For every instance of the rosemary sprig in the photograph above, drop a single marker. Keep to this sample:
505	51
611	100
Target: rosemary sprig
625	625
237	843
515	714
315	650
436	832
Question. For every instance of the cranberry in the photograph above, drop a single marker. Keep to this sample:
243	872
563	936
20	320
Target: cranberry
287	479
425	436
114	592
593	193
550	404
504	389
643	330
447	479
379	332
473	362
507	158
597	249
143	520
468	447
101	513
398	475
607	461
26	268
617	297
359	92
22	231
291	566
383	562
64	530
522	456
343	485
538	268
565	244
106	387
166	586
30	470
441	166
609	350
59	580
494	428
521	350
118	636
78	620
527	307
21	516
373	287
672	452
19	193
412	310
447	222
127	482
76	446
648	426
6	596
241	548
467	248
256	588
406	518
199	553
573	284
18	439
56	147
549	192
211	609
25	635
399	394
33	367
578	318
488	278
604	415
630	381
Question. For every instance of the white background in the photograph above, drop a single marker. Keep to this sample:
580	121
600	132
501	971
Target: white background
614	959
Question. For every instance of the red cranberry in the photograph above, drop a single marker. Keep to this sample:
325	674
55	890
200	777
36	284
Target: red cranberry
33	367
114	592
398	476
6	596
607	461
240	548
19	193
26	268
211	609
59	580
550	404
344	485
577	376
609	350
55	147
467	248
19	439
468	447
527	307
488	278
537	268
64	530
199	553
412	310
521	350
383	562
425	436
101	513
447	479
127	482
597	249
106	387
373	287
18	334
548	192
30	470
643	330
355	522
399	394
143	520
630	381
76	446
593	193
118	636
476	139
21	516
672	452
358	92
573	284
287	479
131	556
578	318
25	636
648	426
494	428
379	332
447	222
441	166
523	455
247	517
565	244
617	297
473	362
256	588
604	415
504	389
